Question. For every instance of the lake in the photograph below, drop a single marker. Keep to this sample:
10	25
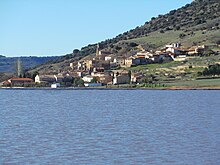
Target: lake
110	127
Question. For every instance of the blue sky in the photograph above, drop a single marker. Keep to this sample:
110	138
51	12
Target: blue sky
56	27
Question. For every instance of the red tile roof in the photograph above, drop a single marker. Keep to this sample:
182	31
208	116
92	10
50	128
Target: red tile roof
6	83
21	79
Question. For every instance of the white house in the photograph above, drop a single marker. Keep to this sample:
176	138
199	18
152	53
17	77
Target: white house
173	45
174	50
81	65
71	65
48	78
56	85
87	78
119	61
180	58
121	79
108	58
45	78
146	54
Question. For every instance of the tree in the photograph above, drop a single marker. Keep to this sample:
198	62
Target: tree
153	18
19	68
26	74
78	82
161	31
177	28
182	35
94	80
129	74
212	70
68	81
34	75
206	72
133	44
207	52
218	42
75	51
168	28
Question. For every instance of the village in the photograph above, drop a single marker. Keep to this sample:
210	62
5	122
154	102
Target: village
107	69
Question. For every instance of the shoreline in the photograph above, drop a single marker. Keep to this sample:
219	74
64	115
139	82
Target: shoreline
120	88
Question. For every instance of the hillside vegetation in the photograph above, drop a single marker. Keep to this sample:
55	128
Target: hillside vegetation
194	24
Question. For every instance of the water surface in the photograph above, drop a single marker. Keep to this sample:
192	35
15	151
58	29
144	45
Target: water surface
109	127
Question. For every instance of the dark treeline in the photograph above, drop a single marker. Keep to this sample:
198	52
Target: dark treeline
212	70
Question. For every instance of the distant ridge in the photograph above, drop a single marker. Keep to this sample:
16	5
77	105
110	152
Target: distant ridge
7	64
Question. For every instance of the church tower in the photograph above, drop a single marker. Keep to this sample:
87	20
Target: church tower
97	50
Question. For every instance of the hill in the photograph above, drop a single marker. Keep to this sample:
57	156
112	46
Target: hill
7	64
193	24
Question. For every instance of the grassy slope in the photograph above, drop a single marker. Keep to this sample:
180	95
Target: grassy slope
160	39
196	83
179	73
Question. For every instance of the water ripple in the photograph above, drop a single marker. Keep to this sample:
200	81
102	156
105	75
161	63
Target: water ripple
109	127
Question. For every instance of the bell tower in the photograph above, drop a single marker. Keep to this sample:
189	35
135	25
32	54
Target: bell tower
97	50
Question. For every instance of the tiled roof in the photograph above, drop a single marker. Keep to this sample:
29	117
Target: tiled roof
21	79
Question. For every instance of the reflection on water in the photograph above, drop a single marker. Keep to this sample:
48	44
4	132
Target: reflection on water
109	127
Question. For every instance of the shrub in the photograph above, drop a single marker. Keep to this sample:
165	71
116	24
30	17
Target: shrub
182	35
